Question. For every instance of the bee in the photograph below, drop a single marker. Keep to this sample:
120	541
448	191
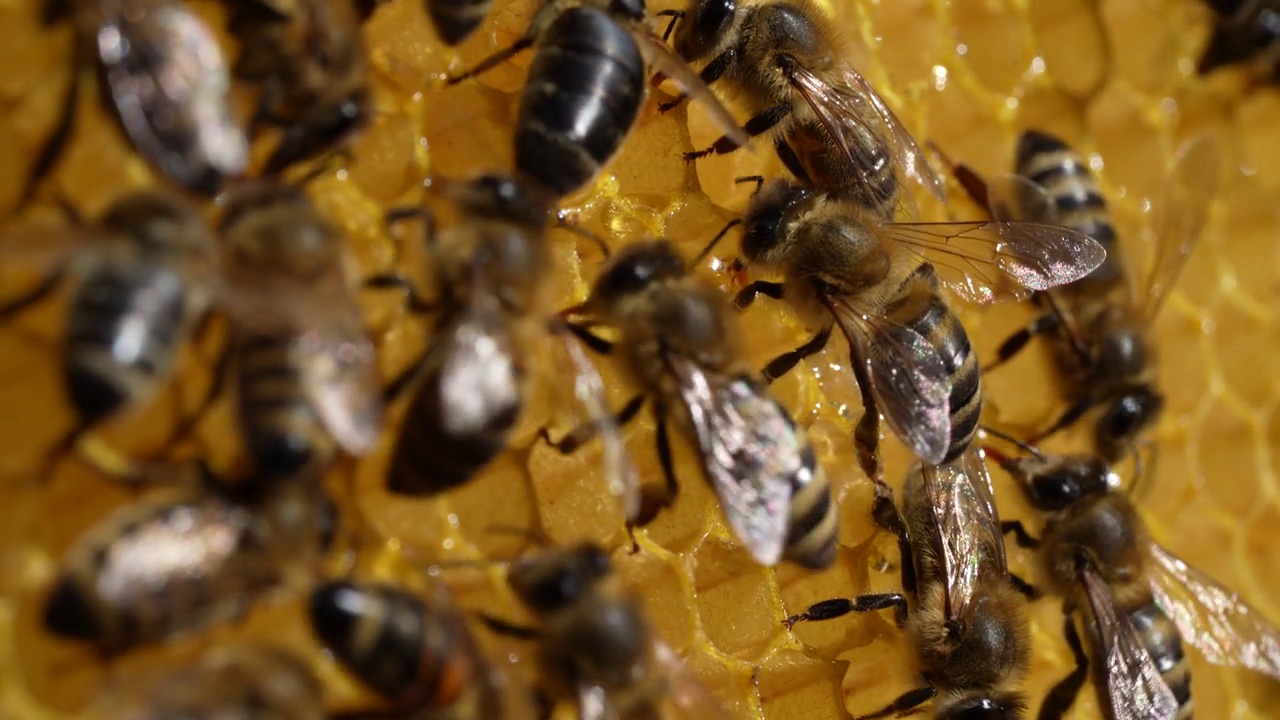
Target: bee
166	81
306	374
309	57
586	85
830	128
678	337
140	278
968	621
1244	31
596	644
1101	325
417	653
880	284
471	383
183	558
1139	601
244	682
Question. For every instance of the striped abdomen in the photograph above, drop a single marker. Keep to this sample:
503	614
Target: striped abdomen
1163	643
584	91
811	527
1073	191
922	309
125	323
454	20
281	430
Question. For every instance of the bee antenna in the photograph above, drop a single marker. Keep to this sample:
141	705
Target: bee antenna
715	240
329	163
1020	444
1142	471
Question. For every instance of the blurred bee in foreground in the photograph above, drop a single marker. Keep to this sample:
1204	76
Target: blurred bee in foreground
1244	31
830	128
1140	601
879	283
596	645
968	621
1101	325
309	58
678	336
417	653
162	73
489	273
586	85
240	682
184	558
141	278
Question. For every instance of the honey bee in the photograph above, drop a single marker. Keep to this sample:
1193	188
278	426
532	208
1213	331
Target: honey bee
880	284
1101	324
1140	602
470	385
240	682
586	85
417	653
968	621
678	339
163	74
140	286
1244	31
830	128
596	644
309	57
183	558
306	374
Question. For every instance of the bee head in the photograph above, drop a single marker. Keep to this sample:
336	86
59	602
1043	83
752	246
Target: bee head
1124	418
1001	706
705	25
630	9
548	582
765	221
634	269
1054	482
792	33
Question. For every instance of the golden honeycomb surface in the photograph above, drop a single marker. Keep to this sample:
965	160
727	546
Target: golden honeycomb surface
1114	77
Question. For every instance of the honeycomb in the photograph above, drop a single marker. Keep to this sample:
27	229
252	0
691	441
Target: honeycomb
1115	78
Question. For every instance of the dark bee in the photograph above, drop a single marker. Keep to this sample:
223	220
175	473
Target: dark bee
678	337
880	284
1139	601
236	682
162	73
415	653
455	20
470	386
829	126
1101	324
1244	31
586	85
596	644
968	620
185	558
309	58
141	282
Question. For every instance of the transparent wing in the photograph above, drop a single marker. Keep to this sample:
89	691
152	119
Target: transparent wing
749	450
909	381
690	698
268	301
662	60
477	373
340	373
1014	197
1134	685
985	261
1181	216
968	528
846	110
1223	627
593	703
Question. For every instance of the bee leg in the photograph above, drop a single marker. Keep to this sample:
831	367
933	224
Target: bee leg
1068	418
38	293
51	150
906	702
1020	534
782	364
676	16
747	295
582	434
866	434
1046	323
790	160
497	58
413	301
839	607
663	441
885	513
396	216
503	627
597	344
1023	587
1063	695
757	125
712	72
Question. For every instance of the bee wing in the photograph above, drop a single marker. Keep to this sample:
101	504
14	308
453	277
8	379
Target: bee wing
968	527
908	379
1013	197
593	703
170	82
1134	685
687	693
662	60
340	373
1223	627
1000	259
748	449
843	107
1180	219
